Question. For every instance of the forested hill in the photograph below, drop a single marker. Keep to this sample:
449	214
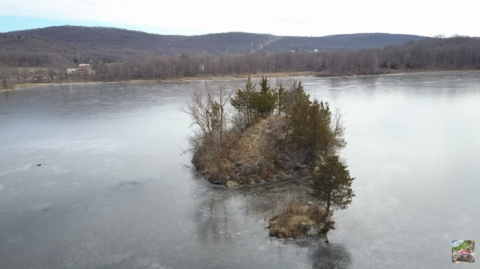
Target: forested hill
98	40
341	42
133	42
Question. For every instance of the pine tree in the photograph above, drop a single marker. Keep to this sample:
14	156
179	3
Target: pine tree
311	126
332	184
242	102
265	100
255	104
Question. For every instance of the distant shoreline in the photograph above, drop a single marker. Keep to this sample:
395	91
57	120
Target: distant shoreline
237	76
212	78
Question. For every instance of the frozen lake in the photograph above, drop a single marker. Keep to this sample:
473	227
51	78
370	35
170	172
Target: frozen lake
114	190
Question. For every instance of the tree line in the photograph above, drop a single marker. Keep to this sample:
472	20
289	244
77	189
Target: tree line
453	53
430	54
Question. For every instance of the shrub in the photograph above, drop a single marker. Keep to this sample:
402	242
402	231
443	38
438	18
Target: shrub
293	215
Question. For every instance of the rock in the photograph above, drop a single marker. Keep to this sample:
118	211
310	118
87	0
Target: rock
308	230
231	183
271	126
287	164
221	179
270	179
250	170
304	172
239	164
285	158
303	166
312	230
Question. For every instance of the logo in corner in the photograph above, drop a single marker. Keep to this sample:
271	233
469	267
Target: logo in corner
463	251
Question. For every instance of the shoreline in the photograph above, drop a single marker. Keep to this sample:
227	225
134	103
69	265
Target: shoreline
228	77
133	81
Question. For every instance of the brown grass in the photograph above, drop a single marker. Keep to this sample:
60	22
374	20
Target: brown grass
250	156
292	213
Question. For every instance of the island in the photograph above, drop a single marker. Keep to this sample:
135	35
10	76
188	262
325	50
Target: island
252	136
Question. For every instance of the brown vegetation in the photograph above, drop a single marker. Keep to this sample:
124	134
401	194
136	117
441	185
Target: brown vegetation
251	144
246	157
296	219
254	146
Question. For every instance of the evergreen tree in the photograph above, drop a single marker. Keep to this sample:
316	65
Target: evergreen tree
265	100
311	126
282	99
242	102
299	119
293	94
253	104
332	184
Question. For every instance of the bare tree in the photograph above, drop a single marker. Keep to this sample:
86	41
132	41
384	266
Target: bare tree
207	108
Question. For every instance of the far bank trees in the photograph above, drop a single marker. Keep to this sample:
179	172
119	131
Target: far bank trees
6	78
454	53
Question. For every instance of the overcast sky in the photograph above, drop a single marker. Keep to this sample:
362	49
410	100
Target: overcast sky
305	18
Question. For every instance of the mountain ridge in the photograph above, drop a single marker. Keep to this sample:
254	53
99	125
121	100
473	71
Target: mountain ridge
208	44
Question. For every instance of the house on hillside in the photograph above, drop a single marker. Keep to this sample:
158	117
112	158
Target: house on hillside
85	71
70	71
82	71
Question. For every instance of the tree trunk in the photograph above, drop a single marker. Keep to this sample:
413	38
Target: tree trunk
328	205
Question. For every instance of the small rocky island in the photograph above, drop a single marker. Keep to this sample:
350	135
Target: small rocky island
273	134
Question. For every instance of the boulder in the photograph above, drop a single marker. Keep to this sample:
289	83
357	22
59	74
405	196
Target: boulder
308	230
271	126
221	179
312	230
287	162
304	172
231	183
